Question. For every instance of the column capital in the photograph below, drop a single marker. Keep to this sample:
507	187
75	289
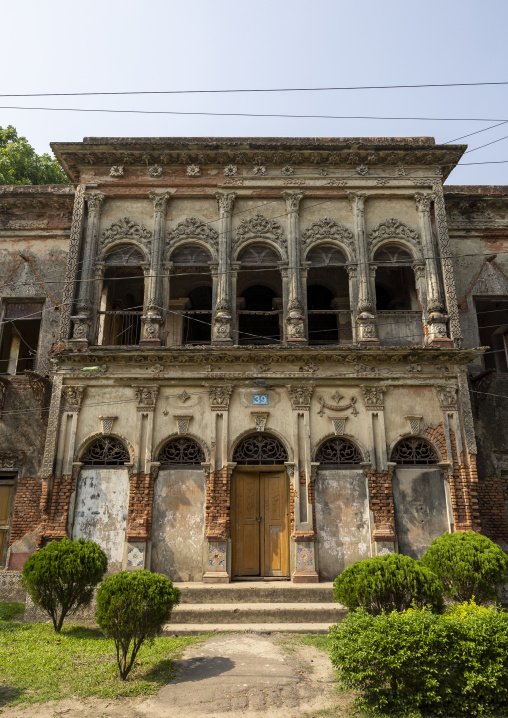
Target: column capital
293	200
225	202
423	201
94	201
357	200
160	200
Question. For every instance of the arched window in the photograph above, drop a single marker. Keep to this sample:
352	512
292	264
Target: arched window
259	255
260	449
338	452
328	307
105	451
190	304
123	255
413	452
395	281
181	451
259	305
191	255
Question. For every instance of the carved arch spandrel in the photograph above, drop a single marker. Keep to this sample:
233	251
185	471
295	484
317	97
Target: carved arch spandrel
195	231
328	231
125	230
393	231
260	229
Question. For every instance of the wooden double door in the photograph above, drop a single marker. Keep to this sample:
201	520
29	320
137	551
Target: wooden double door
260	508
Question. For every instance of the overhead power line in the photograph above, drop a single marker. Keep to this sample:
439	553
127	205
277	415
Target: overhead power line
252	114
247	90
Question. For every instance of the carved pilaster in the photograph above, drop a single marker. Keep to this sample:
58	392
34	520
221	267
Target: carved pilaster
295	320
52	430
73	396
222	324
366	318
78	215
219	397
300	397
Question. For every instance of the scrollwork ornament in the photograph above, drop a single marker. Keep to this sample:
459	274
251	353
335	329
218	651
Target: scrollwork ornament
125	228
193	228
328	228
219	397
225	202
393	229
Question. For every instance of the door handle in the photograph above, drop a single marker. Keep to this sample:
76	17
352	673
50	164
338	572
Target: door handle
258	518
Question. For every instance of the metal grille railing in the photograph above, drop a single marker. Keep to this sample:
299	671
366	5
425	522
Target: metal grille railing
118	328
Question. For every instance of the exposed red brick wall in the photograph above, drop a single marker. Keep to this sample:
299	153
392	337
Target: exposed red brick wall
218	505
55	526
140	512
27	514
464	490
493	515
381	504
436	436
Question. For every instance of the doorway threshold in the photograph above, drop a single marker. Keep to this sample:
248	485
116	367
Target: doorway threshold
261	579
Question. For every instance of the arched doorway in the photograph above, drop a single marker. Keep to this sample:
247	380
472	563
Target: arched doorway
260	508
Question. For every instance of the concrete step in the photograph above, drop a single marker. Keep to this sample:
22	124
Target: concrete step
262	613
194	629
256	592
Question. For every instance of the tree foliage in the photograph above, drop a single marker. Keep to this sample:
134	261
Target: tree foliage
132	607
20	164
452	664
468	565
388	583
61	577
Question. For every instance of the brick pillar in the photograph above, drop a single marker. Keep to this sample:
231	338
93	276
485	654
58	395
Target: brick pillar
218	524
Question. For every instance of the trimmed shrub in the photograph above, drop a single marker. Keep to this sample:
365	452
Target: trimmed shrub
454	664
132	607
61	577
468	565
388	583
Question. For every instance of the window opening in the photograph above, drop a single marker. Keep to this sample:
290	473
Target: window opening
395	281
20	336
414	451
7	486
105	451
328	305
260	449
259	303
190	316
121	306
492	316
181	451
337	452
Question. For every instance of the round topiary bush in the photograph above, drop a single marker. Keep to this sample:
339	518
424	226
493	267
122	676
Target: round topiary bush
468	565
61	577
388	583
132	607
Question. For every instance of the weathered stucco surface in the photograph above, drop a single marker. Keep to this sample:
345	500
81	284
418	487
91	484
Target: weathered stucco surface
420	508
101	511
342	518
179	524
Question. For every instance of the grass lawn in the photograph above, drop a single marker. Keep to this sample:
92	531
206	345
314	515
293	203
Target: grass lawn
38	665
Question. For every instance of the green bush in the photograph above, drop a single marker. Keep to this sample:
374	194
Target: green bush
61	577
468	565
388	583
453	664
132	607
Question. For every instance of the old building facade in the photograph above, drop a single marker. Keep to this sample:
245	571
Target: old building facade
233	358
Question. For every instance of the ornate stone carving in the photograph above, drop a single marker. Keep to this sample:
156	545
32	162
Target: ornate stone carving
73	396
107	424
362	170
293	200
11	459
230	171
193	228
260	170
323	171
260	227
94	201
300	396
72	261
419	270
125	228
424	201
193	171
448	397
160	200
393	229
287	170
219	397
260	419
337	406
39	385
116	171
146	396
327	228
155	171
225	202
374	397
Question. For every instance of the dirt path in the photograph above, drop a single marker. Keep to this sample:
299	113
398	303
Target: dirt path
244	674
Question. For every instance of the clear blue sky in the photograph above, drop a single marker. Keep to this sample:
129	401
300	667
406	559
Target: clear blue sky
112	45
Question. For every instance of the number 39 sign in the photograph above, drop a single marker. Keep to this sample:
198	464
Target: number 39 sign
260	399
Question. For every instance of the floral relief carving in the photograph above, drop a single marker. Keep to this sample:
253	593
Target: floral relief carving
374	396
116	171
260	227
193	171
146	397
448	397
260	170
193	228
287	170
230	171
219	397
125	228
155	171
327	228
300	396
73	396
393	229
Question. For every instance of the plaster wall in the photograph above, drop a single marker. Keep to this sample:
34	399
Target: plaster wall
379	209
178	527
342	517
100	512
402	401
420	508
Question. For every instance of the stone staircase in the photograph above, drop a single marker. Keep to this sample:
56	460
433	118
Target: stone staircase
258	606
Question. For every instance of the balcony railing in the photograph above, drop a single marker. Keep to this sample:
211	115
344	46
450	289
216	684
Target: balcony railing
400	327
118	328
330	326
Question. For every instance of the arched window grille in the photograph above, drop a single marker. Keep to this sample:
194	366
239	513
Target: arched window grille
181	451
414	451
124	255
393	254
259	255
191	255
260	449
105	451
338	452
326	256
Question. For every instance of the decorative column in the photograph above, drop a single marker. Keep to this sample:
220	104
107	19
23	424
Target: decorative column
365	318
295	319
78	218
436	318
222	321
83	320
303	535
379	473
217	568
152	315
142	475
